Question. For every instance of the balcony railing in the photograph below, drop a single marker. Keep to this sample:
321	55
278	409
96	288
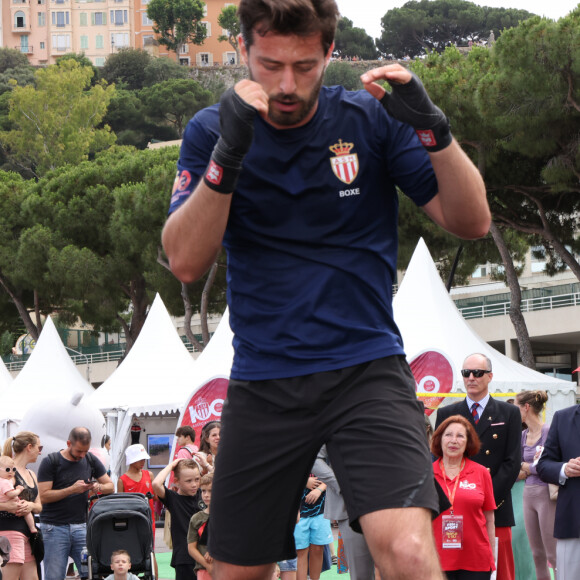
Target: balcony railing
24	49
528	305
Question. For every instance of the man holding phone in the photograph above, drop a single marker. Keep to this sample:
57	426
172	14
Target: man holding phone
65	481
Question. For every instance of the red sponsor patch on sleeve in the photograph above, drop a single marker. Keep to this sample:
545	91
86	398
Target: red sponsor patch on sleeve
214	173
426	137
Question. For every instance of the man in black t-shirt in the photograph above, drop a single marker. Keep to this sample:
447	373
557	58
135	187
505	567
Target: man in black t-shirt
65	480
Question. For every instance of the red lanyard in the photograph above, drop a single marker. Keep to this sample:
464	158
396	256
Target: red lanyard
450	495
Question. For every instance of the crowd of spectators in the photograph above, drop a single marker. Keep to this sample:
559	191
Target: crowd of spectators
465	531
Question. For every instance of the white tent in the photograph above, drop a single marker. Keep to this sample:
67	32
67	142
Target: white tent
48	375
5	377
429	320
156	377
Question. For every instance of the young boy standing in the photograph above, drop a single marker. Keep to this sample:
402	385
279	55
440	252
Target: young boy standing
120	565
198	532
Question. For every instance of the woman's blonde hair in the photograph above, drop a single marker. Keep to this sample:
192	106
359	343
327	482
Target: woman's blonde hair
17	444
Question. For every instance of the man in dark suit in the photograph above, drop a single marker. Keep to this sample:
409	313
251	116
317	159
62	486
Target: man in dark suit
560	464
499	427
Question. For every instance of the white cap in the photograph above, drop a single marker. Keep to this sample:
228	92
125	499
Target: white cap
135	453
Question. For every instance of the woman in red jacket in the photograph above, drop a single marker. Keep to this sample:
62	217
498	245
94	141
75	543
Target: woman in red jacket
465	533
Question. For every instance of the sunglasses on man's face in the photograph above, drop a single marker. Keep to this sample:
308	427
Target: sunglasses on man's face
9	469
477	373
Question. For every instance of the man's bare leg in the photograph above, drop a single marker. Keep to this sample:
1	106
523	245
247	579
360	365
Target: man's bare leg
401	543
223	571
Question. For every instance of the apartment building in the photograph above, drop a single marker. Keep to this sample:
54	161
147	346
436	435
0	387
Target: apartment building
47	29
550	306
211	52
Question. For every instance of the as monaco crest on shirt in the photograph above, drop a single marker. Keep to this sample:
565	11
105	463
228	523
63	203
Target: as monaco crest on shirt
344	164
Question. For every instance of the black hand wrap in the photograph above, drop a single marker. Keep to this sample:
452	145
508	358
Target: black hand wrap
237	134
411	104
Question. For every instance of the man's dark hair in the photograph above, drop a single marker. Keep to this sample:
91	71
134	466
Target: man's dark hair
186	431
80	435
299	17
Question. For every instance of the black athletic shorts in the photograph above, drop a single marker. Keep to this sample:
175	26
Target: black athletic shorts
370	419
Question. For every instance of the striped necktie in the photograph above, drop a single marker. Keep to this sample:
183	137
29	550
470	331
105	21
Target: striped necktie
474	412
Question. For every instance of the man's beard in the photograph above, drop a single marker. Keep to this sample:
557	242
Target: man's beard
292	118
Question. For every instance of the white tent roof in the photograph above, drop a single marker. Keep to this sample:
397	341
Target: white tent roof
5	377
155	376
428	319
217	357
141	385
48	374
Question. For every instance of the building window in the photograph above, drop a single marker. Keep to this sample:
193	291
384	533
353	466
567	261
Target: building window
19	20
149	40
119	17
41	1
61	42
60	19
42	19
42	46
84	42
145	20
98	18
99	41
119	40
184	49
184	60
100	61
207	28
24	44
229	58
203	59
83	18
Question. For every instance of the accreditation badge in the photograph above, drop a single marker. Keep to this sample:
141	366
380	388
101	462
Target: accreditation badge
452	536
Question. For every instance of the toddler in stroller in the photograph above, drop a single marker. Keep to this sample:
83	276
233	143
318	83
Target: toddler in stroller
120	520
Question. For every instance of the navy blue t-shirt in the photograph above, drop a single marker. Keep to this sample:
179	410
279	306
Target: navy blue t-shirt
311	238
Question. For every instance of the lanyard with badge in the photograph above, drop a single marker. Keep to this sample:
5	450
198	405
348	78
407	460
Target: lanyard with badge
452	525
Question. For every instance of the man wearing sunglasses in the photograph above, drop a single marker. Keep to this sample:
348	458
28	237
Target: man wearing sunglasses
499	427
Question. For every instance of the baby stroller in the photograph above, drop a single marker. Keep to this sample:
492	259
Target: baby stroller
120	521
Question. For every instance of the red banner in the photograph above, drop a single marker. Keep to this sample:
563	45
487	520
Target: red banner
433	374
204	406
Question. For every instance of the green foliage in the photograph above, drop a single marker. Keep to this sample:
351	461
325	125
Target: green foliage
93	234
175	101
13	192
177	22
55	122
126	68
7	340
353	42
163	69
16	77
11	59
128	118
421	26
342	73
533	99
228	20
82	60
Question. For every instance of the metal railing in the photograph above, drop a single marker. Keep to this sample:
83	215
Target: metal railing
18	362
528	305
